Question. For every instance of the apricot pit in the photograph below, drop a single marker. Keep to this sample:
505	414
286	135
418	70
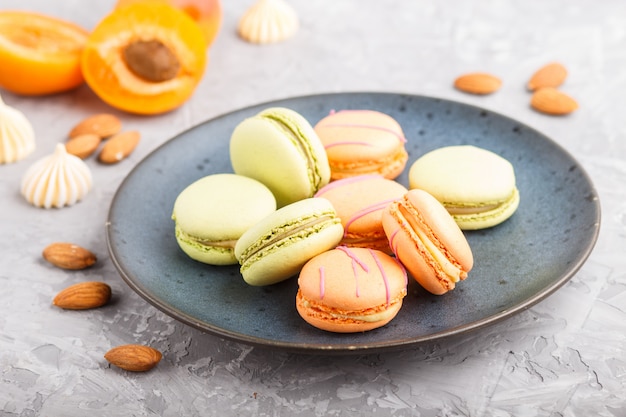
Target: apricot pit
151	60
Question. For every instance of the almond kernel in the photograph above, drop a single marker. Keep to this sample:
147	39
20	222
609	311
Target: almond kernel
478	83
103	125
550	75
119	147
551	101
83	145
136	358
68	256
83	296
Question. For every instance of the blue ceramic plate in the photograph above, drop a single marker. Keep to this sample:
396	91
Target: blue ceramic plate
517	263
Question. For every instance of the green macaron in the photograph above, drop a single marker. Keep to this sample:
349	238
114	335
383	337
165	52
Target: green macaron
475	185
277	247
279	148
213	212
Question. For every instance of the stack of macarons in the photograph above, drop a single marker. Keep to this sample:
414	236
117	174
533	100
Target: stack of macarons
321	202
263	216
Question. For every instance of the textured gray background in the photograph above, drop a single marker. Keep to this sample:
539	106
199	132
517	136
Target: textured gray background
564	357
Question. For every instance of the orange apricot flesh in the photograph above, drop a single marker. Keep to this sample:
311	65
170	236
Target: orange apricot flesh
39	54
206	13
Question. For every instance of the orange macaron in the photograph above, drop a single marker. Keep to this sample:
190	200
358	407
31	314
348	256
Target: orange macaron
428	242
359	202
347	290
361	142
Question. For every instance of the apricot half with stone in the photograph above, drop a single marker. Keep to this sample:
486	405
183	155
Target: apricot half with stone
145	58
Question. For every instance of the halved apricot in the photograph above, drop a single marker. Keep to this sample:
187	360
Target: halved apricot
207	13
145	58
39	54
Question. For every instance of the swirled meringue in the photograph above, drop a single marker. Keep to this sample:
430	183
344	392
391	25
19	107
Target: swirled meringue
17	138
268	21
56	180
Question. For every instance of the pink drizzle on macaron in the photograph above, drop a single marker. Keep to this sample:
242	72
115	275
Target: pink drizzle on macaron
358	125
406	275
365	211
394	248
344	181
355	261
383	129
354	258
382	272
347	142
392	238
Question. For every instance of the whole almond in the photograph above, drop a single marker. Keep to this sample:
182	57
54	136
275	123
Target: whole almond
137	358
68	256
119	147
478	83
550	75
83	296
83	145
551	101
103	125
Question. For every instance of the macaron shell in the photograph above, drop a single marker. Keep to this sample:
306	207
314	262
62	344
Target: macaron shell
263	264
463	176
440	226
298	123
415	257
343	326
285	261
213	212
361	142
443	227
262	148
359	202
355	279
212	255
338	286
490	218
222	206
475	185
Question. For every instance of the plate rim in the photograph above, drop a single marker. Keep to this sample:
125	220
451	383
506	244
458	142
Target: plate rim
344	348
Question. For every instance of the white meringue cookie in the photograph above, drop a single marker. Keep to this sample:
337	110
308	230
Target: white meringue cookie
56	180
268	21
17	138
